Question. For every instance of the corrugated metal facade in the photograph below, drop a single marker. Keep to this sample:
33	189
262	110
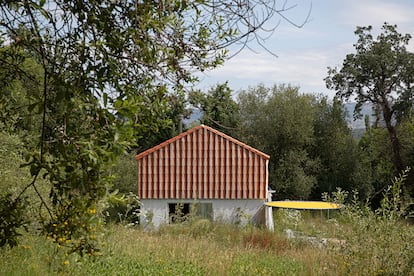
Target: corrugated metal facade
202	163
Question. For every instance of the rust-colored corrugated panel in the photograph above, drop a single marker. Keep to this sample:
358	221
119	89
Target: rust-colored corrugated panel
202	163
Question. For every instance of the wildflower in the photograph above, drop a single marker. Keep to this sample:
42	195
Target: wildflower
66	262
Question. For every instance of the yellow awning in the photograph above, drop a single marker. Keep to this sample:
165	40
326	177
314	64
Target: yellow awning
310	205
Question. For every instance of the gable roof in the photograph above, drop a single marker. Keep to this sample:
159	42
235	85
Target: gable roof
202	163
195	129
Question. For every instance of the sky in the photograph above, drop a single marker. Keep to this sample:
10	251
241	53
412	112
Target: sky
303	54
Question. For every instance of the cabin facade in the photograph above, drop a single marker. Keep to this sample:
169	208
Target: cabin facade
206	173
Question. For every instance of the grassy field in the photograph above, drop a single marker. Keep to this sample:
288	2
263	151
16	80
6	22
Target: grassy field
353	241
200	247
177	250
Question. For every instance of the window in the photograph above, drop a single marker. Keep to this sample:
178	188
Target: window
179	212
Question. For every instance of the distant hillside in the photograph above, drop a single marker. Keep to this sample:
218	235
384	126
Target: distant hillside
195	115
358	126
359	123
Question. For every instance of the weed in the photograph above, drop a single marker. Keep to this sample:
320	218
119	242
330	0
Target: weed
380	241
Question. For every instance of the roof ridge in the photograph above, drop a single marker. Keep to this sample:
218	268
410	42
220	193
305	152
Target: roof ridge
234	140
181	135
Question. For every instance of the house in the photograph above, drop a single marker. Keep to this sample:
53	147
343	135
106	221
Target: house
205	172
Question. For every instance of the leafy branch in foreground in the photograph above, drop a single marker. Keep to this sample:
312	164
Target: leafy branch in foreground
103	72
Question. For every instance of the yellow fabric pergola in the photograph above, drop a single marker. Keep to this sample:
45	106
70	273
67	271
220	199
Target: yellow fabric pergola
305	205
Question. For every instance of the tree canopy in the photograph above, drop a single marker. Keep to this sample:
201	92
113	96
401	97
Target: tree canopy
278	121
381	72
218	107
311	148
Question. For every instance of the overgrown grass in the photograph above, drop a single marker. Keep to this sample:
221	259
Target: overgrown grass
355	241
225	250
220	249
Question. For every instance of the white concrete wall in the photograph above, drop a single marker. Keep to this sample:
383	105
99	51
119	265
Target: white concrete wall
154	212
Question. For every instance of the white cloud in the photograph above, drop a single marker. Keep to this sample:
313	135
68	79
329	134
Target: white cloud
376	12
304	54
306	69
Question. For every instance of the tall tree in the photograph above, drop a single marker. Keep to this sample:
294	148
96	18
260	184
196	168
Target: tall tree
279	121
335	148
18	91
374	164
106	69
381	72
219	109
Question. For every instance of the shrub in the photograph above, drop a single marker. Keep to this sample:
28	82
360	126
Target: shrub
380	241
123	209
12	219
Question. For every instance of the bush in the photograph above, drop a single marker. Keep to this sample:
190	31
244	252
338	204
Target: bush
123	209
12	219
380	241
125	173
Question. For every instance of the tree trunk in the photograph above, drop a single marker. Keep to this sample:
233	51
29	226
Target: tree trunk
395	142
395	145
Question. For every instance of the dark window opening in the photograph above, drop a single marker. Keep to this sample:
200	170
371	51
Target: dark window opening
180	212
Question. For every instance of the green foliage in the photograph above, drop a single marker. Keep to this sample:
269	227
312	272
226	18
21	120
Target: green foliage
375	244
219	109
279	121
12	219
339	196
380	73
20	79
406	134
74	226
311	146
124	172
124	209
11	157
92	79
380	238
380	65
374	164
16	215
263	264
147	266
335	148
172	117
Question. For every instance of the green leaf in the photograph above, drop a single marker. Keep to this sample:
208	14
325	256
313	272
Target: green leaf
105	99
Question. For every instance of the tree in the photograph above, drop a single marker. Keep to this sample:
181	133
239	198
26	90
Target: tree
18	90
172	117
335	148
279	121
311	147
219	109
374	167
381	72
106	69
